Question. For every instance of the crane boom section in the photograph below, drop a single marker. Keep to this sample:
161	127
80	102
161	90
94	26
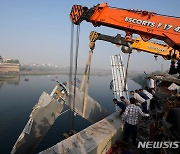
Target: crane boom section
147	24
138	44
165	51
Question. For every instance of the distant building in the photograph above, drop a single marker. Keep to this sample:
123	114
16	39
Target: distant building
9	65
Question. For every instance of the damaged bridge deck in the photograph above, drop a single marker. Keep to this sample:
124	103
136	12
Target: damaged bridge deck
46	111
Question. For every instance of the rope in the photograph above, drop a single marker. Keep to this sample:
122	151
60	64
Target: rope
86	70
87	84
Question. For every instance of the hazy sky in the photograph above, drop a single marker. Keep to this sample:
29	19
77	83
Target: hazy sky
38	31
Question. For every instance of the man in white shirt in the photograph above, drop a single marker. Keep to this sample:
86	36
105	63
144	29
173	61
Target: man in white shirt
150	83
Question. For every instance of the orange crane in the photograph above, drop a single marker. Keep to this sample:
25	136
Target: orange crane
167	52
147	24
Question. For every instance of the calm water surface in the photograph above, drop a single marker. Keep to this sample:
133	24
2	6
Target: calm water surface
17	97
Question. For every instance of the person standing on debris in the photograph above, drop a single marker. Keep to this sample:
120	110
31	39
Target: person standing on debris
141	100
150	83
121	105
130	117
172	69
125	101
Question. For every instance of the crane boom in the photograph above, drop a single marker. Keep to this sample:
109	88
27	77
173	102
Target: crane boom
165	51
147	24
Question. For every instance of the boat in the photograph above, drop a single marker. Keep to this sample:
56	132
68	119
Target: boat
26	79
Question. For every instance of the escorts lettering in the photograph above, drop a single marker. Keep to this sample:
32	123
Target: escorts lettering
151	24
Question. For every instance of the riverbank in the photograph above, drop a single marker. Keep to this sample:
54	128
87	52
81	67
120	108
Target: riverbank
6	77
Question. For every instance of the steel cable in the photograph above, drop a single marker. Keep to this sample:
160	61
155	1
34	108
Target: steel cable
75	72
70	76
126	75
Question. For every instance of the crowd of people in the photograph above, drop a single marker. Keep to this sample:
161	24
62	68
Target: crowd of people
141	102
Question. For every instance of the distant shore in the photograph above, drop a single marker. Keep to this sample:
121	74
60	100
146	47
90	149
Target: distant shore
137	77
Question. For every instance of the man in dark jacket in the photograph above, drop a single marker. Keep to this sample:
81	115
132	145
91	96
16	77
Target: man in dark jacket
121	105
172	69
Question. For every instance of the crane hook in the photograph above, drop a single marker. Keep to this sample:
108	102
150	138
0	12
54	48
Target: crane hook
127	49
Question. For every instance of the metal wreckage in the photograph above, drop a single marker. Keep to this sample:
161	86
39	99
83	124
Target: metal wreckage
106	129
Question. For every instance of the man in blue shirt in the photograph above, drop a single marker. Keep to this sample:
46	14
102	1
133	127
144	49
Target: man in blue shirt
121	105
143	95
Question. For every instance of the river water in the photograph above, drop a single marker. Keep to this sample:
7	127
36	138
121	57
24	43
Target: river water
17	97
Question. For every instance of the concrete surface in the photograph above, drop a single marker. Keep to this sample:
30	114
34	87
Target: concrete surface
97	138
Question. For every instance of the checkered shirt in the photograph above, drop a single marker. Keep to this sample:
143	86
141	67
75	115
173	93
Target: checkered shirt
131	114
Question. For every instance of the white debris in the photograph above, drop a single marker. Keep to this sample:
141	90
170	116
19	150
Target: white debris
173	86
